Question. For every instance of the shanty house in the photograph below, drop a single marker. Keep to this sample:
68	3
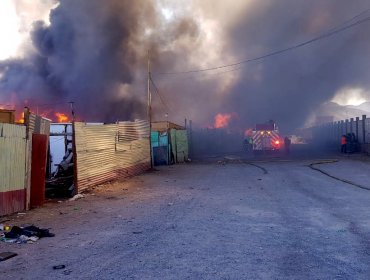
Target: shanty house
169	143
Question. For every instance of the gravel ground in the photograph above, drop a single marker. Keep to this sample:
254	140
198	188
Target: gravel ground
204	221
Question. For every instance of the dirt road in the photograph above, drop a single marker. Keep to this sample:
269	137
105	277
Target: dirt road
273	220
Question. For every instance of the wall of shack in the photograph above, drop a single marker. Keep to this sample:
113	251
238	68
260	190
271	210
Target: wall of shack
13	151
35	124
105	152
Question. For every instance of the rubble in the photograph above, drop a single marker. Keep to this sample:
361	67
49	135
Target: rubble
56	267
76	197
29	234
7	255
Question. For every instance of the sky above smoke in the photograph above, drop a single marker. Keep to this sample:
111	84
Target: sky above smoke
94	53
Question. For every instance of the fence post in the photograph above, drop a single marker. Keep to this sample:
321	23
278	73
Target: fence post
363	129
346	123
357	120
339	133
351	125
333	131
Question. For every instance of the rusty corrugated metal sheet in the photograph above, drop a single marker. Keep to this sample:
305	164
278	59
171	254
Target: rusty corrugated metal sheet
12	201
108	152
165	125
7	116
13	145
38	171
39	125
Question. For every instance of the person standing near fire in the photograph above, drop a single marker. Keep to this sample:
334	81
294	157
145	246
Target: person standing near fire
287	143
343	144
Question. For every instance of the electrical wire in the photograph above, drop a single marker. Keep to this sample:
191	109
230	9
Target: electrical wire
340	28
160	96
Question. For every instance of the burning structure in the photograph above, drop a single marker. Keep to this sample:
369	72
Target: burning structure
94	53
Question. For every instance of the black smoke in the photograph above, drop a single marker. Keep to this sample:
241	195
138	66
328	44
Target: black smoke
288	87
94	53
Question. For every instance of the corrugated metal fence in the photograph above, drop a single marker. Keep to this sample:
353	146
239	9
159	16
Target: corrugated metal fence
330	133
111	151
13	151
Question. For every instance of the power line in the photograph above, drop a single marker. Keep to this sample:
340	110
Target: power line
169	109
205	74
160	96
329	33
350	20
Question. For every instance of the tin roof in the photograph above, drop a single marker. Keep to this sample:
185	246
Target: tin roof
164	125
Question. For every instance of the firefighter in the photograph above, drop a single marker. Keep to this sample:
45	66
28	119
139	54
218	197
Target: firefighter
248	144
287	143
343	144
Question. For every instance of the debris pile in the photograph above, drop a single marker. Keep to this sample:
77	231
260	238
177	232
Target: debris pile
29	234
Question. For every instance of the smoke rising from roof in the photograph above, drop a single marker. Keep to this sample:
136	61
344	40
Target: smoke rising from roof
94	53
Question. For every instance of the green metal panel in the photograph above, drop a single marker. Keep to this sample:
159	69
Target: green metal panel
179	140
155	138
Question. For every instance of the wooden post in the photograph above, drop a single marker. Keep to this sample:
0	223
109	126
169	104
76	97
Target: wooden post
26	119
150	112
74	151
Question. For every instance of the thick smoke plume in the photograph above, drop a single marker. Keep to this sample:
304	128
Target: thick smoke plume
290	86
94	53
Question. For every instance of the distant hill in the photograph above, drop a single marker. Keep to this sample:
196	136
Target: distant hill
365	107
340	112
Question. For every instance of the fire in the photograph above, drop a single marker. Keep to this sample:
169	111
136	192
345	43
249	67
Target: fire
21	119
222	120
62	117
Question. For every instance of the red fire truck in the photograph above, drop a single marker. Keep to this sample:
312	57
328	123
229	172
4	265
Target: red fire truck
266	137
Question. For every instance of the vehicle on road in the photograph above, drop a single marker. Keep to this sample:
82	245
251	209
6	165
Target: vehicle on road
266	137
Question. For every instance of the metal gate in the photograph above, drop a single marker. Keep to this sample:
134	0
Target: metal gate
38	171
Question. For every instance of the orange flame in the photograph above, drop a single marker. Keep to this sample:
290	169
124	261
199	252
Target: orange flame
62	117
222	120
21	119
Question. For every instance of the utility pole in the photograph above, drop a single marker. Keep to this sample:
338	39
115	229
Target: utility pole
72	110
150	112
